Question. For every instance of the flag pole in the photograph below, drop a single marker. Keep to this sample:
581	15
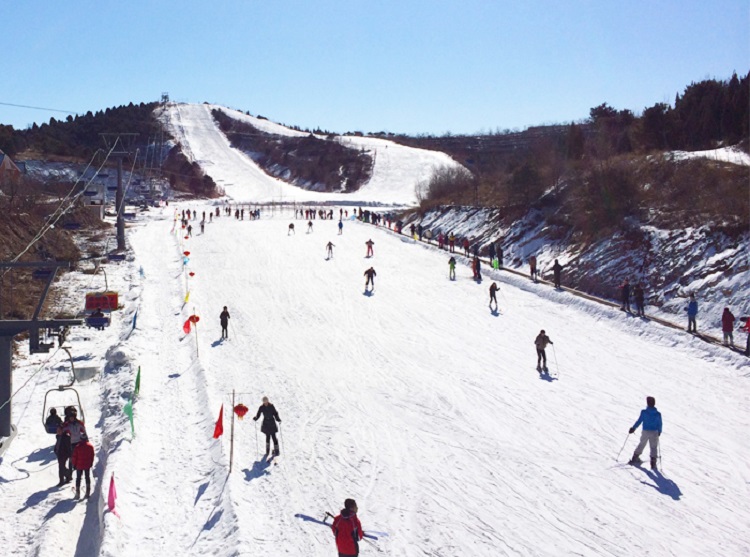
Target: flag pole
231	437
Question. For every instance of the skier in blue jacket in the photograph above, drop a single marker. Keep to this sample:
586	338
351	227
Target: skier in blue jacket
651	420
692	311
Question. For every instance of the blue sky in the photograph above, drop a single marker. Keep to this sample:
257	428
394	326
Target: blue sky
402	66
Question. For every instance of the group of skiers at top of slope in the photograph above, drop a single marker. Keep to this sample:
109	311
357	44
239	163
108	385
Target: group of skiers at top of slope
72	448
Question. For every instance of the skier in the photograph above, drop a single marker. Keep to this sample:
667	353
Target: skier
63	451
478	268
452	268
499	256
53	421
190	230
309	226
532	267
638	295
75	428
203	225
440	240
541	342
451	243
269	425
369	244
329	248
341	227
83	460
370	274
290	230
492	253
466	247
224	320
727	327
493	294
692	311
651	420
746	328
556	270
347	530
625	292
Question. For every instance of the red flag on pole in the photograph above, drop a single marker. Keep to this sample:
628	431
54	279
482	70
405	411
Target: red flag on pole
219	429
186	326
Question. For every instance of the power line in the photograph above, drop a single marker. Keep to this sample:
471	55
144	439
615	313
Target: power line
40	108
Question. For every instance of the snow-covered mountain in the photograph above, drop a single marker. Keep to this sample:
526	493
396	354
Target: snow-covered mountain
414	399
396	173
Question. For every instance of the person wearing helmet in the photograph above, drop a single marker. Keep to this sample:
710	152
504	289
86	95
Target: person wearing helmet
347	530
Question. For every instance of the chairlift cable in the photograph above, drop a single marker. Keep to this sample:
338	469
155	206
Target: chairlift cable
41	366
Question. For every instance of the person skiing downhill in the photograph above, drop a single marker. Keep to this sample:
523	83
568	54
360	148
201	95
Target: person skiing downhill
493	294
309	226
329	250
452	268
541	342
370	274
341	227
269	427
347	530
224	320
532	267
692	311
369	244
651	419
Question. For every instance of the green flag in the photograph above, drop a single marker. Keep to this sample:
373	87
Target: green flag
137	383
128	409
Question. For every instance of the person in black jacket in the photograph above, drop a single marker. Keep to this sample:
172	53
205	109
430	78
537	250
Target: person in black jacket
224	318
63	450
269	426
556	270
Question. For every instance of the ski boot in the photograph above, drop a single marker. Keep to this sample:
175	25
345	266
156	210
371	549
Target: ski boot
653	463
78	494
635	461
88	492
275	451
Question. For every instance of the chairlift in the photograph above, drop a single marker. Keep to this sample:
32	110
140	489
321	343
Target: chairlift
102	301
68	400
115	256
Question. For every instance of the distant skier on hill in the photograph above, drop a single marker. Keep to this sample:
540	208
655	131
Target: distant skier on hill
478	269
452	268
727	327
369	244
370	274
493	294
329	250
309	226
492	253
692	311
625	293
269	427
290	230
347	530
224	320
557	271
499	256
451	243
541	342
639	300
652	424
532	267
466	247
341	227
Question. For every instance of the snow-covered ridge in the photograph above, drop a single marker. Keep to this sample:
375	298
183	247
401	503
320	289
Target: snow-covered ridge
397	169
725	154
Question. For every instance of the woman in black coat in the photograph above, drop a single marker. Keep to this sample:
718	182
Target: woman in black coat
270	417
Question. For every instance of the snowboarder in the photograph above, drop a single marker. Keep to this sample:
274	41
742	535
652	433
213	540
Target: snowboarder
224	319
639	300
347	530
370	274
493	294
83	460
625	292
329	248
369	244
452	268
291	229
692	311
651	420
532	267
269	427
63	450
556	270
727	327
341	227
541	342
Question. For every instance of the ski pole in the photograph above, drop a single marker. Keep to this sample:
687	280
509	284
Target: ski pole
281	438
621	448
557	367
257	450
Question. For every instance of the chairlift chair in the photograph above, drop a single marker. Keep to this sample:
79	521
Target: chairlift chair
61	407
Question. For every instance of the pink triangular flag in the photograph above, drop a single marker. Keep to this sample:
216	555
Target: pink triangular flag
112	496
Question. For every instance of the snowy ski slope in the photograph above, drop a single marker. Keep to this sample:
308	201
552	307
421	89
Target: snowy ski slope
416	401
397	169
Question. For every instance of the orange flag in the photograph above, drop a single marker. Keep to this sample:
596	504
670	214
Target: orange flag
219	429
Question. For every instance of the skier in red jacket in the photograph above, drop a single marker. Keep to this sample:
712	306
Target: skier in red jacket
83	460
347	530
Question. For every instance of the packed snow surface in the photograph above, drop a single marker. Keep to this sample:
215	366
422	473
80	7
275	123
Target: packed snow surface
725	154
414	399
397	169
